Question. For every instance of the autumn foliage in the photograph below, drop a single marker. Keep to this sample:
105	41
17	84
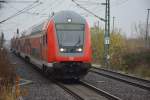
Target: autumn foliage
7	77
128	55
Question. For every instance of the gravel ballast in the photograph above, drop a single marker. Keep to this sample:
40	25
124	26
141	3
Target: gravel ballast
41	87
117	88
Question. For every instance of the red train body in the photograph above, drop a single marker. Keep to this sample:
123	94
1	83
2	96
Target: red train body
60	46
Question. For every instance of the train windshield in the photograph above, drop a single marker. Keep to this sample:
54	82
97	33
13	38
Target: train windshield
70	35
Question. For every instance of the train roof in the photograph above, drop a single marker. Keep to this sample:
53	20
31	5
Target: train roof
63	16
60	17
37	29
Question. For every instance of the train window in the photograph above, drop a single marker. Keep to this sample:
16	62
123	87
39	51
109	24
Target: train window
46	38
71	35
37	29
43	39
75	27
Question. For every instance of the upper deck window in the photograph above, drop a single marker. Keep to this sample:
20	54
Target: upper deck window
73	27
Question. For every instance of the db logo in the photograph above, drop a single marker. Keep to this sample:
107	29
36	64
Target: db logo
71	58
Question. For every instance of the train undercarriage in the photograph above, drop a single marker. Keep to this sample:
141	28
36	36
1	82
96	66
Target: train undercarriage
70	70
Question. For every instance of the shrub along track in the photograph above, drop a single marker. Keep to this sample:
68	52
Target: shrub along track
7	76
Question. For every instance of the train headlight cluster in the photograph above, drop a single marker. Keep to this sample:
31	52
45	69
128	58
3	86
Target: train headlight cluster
79	49
71	50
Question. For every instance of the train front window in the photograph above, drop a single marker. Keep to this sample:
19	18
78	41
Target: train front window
70	36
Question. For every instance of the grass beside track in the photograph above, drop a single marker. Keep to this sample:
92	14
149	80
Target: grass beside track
7	77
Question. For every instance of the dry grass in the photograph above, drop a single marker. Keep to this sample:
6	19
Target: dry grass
138	63
7	94
134	58
7	77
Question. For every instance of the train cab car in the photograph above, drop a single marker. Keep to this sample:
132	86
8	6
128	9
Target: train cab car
60	46
73	45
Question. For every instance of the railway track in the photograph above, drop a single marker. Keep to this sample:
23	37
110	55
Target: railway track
82	90
85	91
79	94
138	82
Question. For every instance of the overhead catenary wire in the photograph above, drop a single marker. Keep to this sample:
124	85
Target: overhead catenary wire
73	7
89	2
92	5
97	3
50	4
120	3
31	13
17	13
88	11
21	11
15	1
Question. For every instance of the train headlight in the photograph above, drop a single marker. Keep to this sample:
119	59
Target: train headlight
79	49
69	20
62	50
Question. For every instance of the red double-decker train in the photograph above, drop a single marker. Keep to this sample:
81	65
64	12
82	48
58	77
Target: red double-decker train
60	46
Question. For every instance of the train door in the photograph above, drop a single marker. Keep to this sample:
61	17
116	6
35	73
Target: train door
44	47
41	46
27	46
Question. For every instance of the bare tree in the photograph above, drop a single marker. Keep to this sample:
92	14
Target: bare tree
1	3
1	40
140	30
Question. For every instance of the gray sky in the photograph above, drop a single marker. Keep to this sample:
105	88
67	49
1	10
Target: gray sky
127	12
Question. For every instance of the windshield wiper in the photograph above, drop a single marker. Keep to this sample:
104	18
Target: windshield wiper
78	42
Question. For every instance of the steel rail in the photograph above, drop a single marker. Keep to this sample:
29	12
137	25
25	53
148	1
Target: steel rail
88	86
69	91
116	76
125	75
101	92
